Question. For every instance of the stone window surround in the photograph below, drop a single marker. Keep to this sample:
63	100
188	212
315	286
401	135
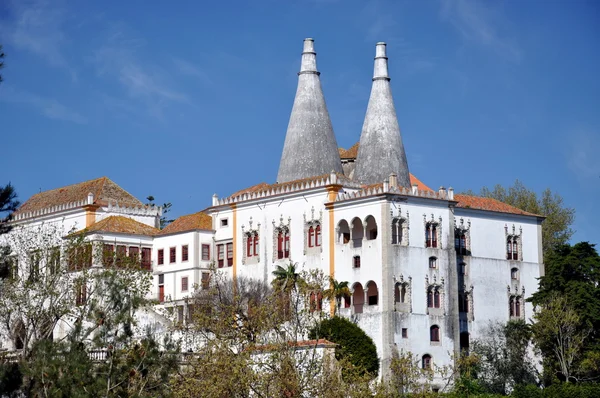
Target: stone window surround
512	237
462	229
400	228
514	294
439	287
401	306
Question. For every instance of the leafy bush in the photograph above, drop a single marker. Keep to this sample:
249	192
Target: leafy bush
354	344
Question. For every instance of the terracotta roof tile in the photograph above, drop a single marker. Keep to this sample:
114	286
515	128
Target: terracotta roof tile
189	222
349	153
489	204
103	189
420	185
122	225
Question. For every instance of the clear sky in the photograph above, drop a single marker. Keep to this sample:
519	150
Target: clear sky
181	100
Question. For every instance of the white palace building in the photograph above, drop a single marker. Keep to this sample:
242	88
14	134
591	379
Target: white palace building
428	269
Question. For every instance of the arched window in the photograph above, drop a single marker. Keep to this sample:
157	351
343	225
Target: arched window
436	299
403	294
517	307
430	297
431	234
397	298
311	237
514	274
347	301
372	293
358	232
460	243
358	298
432	262
318	235
343	232
371	228
426	362
251	245
396	232
434	333
512	248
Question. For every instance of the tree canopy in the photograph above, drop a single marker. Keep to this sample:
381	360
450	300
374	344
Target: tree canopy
556	229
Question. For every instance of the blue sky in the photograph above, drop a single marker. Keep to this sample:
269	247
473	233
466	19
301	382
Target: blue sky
182	100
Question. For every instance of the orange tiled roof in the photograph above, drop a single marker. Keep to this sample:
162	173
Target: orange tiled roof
103	189
349	153
489	204
420	185
122	225
189	222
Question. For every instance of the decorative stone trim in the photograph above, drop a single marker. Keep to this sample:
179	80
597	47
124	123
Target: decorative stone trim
406	305
313	222
463	229
515	296
469	296
514	237
400	228
438	229
284	229
245	235
435	287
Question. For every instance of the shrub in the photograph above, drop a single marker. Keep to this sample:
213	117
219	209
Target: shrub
353	343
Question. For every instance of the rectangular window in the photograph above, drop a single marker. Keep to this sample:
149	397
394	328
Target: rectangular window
220	255
161	288
184	284
134	253
205	280
184	253
318	236
172	255
230	254
311	237
356	262
108	254
205	252
146	258
250	246
161	256
404	333
224	222
121	254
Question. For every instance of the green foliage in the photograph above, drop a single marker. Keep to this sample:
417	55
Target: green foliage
286	279
166	207
556	229
336	291
11	378
565	390
8	203
353	343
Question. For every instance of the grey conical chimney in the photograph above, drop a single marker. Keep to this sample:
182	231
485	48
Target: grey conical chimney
381	152
310	147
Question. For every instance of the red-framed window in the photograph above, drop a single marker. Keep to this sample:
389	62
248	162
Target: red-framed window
146	258
161	288
220	255
161	256
184	284
316	301
431	235
230	254
512	249
172	255
205	252
283	245
311	237
252	245
184	253
356	261
434	333
318	235
134	252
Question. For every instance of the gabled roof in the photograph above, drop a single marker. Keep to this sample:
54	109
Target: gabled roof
122	225
349	153
103	189
488	204
189	222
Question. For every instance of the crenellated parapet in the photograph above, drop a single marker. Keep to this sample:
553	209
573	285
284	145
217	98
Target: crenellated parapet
148	210
49	210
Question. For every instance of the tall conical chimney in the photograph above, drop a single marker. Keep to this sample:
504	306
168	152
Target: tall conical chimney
310	147
381	152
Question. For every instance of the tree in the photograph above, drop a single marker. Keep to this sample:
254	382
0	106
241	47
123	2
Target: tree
353	343
560	335
286	279
1	61
166	207
407	378
556	228
8	204
503	356
336	291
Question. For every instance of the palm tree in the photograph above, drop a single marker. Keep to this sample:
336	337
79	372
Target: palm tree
336	291
285	278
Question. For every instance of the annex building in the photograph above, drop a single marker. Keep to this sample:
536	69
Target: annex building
428	269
